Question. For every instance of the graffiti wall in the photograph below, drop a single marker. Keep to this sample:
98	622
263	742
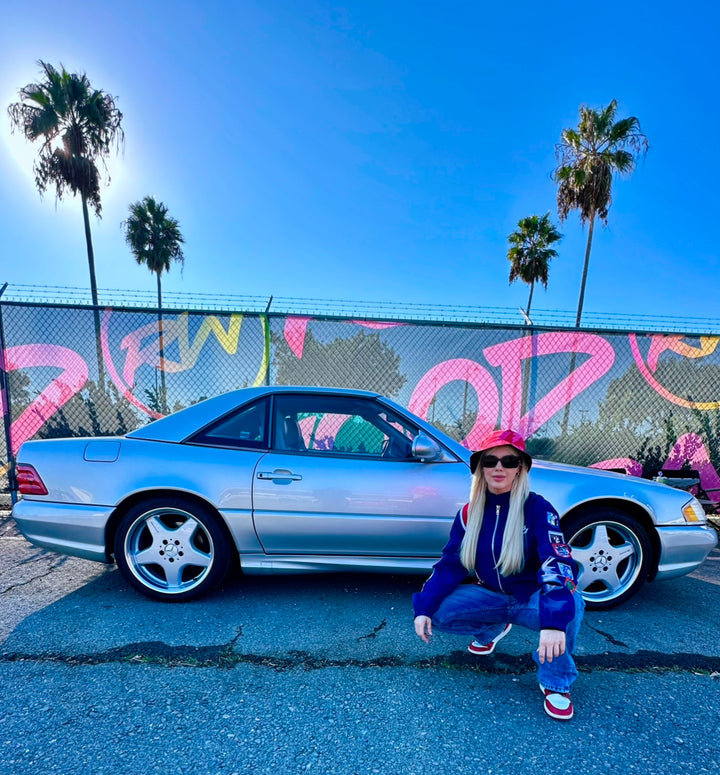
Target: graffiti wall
618	400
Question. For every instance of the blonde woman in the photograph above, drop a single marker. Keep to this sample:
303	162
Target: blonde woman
510	538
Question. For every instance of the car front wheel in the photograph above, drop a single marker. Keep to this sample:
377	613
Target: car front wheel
172	549
613	554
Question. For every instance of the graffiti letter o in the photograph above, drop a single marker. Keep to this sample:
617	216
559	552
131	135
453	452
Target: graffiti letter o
463	370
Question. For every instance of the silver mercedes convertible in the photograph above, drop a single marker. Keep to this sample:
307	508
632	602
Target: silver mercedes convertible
294	479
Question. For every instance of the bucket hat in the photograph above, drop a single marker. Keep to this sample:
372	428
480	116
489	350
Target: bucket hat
501	438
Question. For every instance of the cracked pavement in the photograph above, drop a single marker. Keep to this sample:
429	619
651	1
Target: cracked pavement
324	673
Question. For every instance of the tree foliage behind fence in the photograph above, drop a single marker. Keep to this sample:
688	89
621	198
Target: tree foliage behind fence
638	401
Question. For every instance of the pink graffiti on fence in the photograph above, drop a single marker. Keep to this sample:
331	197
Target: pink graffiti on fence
374	325
509	356
662	343
632	467
124	390
691	448
295	331
55	395
674	343
296	326
460	369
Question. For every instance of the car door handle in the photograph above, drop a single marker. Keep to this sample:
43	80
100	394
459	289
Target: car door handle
279	475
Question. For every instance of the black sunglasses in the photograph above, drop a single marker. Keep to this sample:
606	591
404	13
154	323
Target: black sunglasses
506	461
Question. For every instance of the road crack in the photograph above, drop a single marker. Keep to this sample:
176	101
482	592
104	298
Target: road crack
608	637
159	654
374	633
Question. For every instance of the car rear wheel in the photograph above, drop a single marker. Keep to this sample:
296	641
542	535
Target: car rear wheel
172	549
613	554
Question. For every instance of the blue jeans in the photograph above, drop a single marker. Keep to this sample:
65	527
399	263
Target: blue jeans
481	613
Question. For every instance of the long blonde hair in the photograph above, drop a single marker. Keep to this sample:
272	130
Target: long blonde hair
512	556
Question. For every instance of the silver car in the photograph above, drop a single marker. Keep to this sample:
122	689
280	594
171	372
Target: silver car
292	480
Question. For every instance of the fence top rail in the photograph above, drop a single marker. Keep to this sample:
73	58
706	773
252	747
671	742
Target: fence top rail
360	310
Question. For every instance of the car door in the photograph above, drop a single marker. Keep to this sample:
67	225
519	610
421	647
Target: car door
340	479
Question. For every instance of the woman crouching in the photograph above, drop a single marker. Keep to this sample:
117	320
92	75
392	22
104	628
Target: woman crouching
511	538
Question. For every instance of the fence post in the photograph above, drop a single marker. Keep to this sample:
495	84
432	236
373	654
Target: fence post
7	419
267	340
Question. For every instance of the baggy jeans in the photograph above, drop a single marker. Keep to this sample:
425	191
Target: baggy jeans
475	611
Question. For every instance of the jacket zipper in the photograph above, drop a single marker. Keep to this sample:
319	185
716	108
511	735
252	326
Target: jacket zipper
497	571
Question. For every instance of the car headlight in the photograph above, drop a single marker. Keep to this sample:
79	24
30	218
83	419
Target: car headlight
693	511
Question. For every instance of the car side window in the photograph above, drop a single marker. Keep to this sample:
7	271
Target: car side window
340	426
244	429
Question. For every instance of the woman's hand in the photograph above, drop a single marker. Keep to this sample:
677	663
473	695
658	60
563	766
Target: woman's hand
552	644
423	627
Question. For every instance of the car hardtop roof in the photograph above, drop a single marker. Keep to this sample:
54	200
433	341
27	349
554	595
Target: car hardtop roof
179	425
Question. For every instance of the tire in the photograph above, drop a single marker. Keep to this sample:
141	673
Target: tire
613	554
172	549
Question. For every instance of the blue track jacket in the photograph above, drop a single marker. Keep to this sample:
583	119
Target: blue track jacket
548	567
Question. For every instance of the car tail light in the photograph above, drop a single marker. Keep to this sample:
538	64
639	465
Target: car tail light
29	481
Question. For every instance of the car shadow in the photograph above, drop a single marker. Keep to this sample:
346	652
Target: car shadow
350	616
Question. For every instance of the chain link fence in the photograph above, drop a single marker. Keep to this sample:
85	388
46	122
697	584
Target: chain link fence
618	399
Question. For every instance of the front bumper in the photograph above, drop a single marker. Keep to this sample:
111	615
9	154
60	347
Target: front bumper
68	528
682	549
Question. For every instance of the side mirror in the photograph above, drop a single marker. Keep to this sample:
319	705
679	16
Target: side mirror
425	449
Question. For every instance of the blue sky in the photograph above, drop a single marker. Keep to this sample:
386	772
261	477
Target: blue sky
376	151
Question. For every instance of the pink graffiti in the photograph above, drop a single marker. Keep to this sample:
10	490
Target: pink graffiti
690	447
295	331
296	326
112	371
631	466
464	370
509	356
375	326
650	379
55	395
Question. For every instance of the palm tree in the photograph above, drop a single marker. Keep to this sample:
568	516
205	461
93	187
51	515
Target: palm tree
529	255
530	251
77	126
155	240
588	158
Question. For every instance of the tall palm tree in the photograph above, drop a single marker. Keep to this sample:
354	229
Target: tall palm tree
155	240
77	126
529	255
588	158
530	251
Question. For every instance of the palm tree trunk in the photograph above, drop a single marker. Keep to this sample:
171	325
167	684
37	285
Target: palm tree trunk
527	364
581	300
532	288
93	292
163	387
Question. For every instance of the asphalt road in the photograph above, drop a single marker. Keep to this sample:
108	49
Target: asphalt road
324	674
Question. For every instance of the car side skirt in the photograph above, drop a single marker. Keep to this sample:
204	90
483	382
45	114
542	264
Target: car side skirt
263	564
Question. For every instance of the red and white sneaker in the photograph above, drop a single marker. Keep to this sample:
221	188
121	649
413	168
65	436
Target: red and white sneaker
557	705
483	649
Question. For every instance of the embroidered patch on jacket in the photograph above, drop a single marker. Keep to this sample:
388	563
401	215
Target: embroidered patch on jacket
556	538
565	570
553	519
549	576
570	584
562	550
